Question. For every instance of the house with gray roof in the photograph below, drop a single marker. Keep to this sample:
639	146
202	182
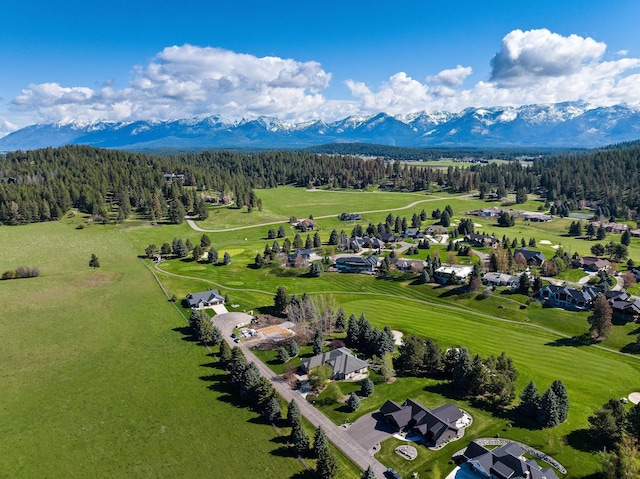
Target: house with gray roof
437	426
357	264
567	297
504	462
532	257
206	299
344	365
500	279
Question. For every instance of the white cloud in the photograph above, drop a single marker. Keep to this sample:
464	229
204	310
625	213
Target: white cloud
187	80
6	127
535	66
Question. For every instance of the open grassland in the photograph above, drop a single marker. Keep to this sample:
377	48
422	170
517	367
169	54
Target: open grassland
99	378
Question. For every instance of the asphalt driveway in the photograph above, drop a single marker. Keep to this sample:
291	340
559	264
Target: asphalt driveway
370	430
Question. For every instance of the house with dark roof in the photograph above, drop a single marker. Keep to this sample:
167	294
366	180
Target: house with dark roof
305	224
389	237
365	242
567	297
350	216
436	230
437	426
206	299
344	365
591	263
532	257
357	264
480	240
504	462
303	257
623	306
414	233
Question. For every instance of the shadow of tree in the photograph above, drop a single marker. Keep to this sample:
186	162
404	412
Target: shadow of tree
575	341
580	439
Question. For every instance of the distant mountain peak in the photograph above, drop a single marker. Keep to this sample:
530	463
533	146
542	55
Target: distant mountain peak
568	124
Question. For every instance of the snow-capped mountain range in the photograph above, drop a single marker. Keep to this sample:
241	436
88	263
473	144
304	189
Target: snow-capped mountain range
575	124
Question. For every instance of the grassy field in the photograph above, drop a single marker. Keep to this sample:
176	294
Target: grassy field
99	378
112	386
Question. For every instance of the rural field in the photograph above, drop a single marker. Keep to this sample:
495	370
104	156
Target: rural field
103	379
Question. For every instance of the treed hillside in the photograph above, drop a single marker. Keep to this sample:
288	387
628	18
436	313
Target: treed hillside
41	185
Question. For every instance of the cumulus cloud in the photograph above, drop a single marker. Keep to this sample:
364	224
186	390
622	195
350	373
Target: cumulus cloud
6	127
187	80
535	66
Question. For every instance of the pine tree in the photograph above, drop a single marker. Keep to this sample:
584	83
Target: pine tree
367	388
293	349
250	378
272	412
353	332
293	412
529	401
340	320
320	443
327	465
225	352
283	355
94	262
318	339
563	399
280	300
548	412
353	402
299	439
226	258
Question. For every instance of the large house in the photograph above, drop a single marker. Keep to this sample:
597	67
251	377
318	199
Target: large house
206	299
567	297
504	462
437	426
344	365
452	274
358	243
305	224
500	279
357	264
623	306
591	263
303	257
532	257
611	226
480	240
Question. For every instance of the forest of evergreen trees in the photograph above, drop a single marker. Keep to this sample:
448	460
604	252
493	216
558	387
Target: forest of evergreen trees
41	185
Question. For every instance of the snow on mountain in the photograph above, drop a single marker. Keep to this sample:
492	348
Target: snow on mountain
571	124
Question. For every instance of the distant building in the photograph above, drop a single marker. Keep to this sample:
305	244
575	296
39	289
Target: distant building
533	258
344	365
350	216
500	279
205	299
357	264
480	240
567	297
452	274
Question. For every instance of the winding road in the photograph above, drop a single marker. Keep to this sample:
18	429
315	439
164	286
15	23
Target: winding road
336	434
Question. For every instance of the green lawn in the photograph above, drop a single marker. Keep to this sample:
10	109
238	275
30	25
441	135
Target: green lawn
99	379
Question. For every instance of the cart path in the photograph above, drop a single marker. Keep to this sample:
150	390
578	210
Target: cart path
194	226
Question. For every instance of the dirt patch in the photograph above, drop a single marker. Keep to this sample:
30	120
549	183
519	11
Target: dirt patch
97	279
275	332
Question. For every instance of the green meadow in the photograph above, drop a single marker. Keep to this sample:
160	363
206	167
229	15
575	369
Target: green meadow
102	378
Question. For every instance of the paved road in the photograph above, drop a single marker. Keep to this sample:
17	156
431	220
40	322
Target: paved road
336	434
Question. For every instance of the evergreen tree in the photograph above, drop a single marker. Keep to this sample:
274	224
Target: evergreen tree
271	234
293	349
94	262
308	244
327	465
197	252
281	232
563	399
368	474
333	238
353	332
272	411
212	256
299	439
317	242
283	355
237	365
250	379
226	258
297	242
293	412
205	241
462	370
320	442
529	401
367	388
280	300
225	353
340	320
318	339
353	403
549	412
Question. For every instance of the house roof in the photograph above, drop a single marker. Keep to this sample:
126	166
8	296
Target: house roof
196	299
480	238
357	261
341	360
506	462
495	277
530	254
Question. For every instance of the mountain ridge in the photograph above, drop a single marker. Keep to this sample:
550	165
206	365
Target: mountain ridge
564	125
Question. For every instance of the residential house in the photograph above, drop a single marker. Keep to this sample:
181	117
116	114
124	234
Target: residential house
350	216
344	365
414	233
635	233
436	230
404	264
567	297
305	224
357	264
504	462
365	242
500	279
389	238
437	426
535	217
481	240
611	226
452	274
206	299
173	176
532	257
303	257
493	212
591	263
623	306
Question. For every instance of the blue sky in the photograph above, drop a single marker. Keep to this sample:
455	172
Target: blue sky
87	61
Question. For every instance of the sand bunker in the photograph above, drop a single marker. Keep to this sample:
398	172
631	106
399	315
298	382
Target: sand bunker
544	242
634	398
